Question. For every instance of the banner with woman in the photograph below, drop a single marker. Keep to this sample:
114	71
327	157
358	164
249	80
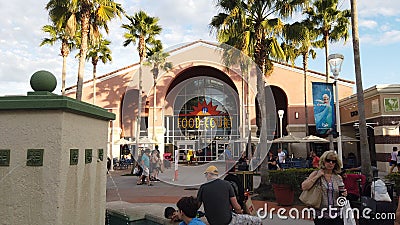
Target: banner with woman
323	107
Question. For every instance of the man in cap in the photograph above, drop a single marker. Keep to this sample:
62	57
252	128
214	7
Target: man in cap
218	197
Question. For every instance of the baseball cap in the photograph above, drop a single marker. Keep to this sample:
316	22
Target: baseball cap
212	170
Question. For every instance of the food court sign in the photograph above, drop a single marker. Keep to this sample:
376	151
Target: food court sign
204	116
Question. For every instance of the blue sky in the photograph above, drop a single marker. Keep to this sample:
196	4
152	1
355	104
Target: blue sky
182	21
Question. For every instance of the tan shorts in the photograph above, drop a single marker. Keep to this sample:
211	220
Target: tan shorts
146	172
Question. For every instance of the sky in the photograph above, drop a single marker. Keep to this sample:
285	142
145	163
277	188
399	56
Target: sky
182	21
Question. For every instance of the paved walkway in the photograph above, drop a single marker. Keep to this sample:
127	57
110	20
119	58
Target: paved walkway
124	196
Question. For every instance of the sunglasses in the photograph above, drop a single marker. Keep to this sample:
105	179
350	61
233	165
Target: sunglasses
330	161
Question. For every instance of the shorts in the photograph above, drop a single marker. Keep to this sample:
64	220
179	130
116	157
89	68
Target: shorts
240	219
392	163
146	172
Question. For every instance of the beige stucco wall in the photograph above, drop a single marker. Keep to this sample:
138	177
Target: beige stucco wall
56	193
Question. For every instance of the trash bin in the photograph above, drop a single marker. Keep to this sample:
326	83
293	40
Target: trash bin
246	178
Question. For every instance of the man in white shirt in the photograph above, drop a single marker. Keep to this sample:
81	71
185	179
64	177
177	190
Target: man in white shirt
281	156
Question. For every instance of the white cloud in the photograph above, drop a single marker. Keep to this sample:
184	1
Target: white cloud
378	8
390	37
370	24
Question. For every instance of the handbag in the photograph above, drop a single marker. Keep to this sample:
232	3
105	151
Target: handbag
313	196
368	202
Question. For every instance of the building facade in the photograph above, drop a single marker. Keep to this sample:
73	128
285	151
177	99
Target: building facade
383	121
205	102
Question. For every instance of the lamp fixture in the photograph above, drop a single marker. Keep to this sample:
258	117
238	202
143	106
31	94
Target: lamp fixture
280	113
335	62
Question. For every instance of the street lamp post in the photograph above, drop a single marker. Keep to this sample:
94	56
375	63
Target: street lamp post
335	62
280	114
155	75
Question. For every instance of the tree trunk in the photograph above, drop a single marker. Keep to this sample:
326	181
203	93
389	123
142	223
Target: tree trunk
94	62
326	40
138	121
260	55
305	69
82	53
64	53
63	75
141	48
366	168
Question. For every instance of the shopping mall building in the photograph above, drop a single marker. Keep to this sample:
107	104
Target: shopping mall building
208	102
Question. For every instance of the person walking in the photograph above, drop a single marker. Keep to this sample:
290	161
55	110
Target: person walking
145	164
187	211
330	180
155	165
218	197
393	160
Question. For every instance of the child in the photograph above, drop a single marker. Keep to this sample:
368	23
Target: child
172	214
187	210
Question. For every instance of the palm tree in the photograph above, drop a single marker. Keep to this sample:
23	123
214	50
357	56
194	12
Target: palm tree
249	26
141	29
89	16
99	51
158	60
59	34
330	22
301	36
365	154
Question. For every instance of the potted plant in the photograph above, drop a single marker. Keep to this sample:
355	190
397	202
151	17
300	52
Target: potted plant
286	183
394	179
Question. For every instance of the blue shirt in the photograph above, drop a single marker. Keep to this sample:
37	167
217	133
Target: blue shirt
146	160
194	221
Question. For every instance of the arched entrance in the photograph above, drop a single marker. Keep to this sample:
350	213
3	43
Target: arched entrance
278	101
205	115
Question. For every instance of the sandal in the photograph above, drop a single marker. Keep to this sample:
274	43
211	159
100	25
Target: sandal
139	183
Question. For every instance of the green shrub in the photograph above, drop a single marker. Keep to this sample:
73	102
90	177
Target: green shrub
292	177
395	178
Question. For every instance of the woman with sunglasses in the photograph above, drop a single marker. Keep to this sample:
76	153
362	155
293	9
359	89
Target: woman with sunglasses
330	180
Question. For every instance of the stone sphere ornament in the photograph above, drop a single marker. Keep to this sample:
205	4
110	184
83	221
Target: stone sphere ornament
43	80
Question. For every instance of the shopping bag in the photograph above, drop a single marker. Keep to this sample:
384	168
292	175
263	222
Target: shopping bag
313	196
249	207
347	214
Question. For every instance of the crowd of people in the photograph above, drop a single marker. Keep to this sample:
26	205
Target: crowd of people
276	162
224	204
149	165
